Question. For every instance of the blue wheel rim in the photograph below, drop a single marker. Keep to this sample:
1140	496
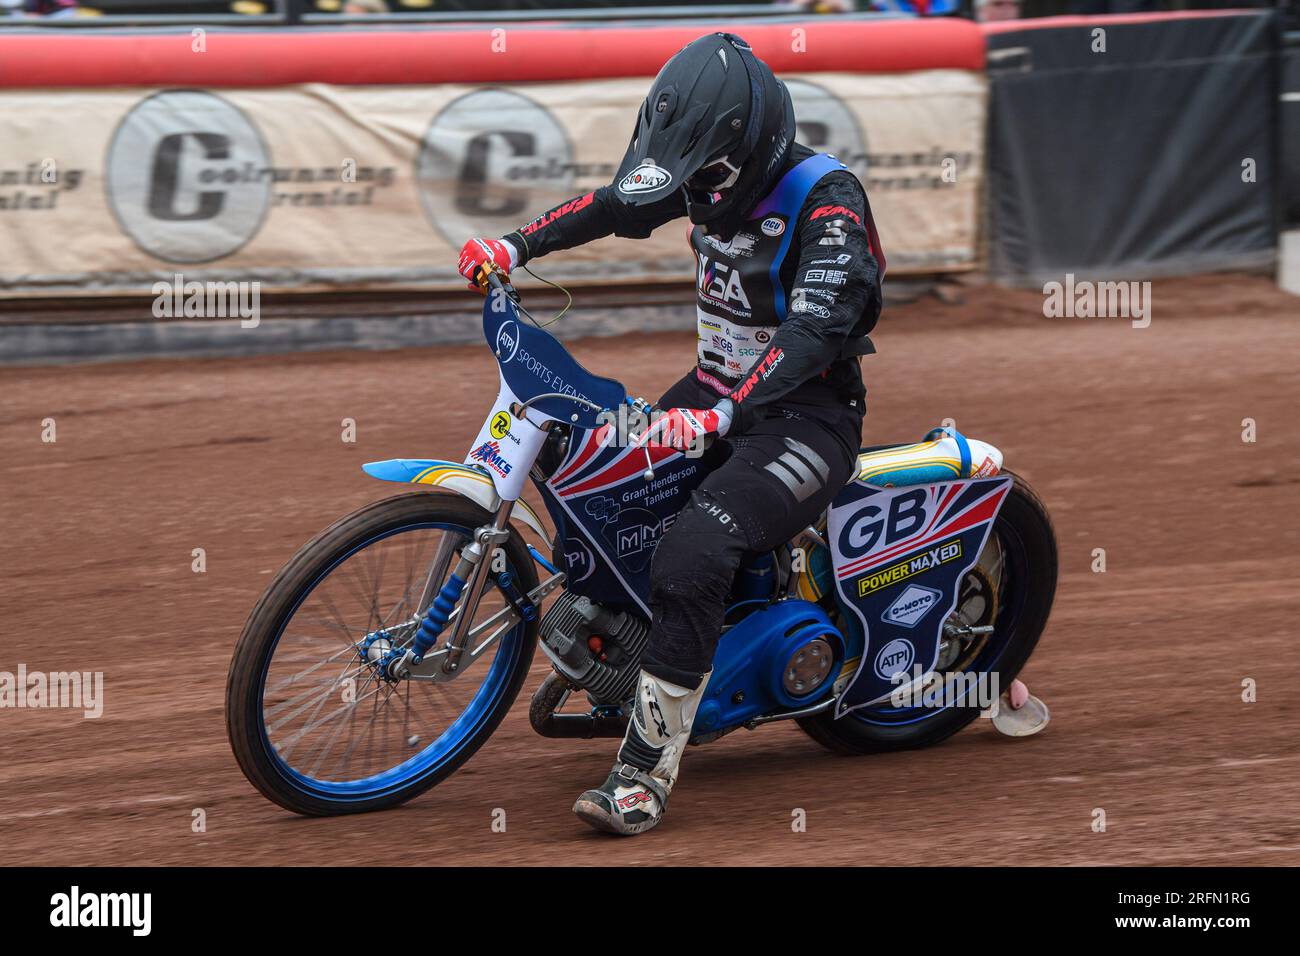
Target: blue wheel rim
441	751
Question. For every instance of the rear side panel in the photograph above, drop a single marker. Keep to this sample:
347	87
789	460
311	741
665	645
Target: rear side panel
899	554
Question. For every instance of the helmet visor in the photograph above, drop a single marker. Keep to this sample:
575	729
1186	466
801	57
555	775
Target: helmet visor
714	177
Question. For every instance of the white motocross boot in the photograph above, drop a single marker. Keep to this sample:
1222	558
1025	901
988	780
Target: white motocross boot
635	795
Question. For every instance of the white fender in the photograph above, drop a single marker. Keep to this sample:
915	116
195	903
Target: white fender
464	480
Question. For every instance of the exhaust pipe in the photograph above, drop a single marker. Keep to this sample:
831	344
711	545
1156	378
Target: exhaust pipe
550	697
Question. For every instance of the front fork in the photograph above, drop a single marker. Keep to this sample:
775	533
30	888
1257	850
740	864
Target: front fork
466	581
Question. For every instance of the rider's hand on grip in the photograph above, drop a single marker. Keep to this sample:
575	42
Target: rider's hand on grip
681	428
492	253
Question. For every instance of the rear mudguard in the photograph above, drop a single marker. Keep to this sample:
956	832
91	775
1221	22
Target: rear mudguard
464	480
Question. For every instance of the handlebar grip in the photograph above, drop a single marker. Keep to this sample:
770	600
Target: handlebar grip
496	282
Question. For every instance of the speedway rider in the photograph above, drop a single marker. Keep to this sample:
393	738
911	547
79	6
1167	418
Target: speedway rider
789	275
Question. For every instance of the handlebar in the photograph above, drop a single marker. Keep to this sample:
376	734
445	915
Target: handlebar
497	284
493	281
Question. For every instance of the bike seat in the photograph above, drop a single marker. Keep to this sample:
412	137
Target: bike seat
944	455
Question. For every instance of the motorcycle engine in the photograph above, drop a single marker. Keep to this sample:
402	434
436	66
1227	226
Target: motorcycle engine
596	648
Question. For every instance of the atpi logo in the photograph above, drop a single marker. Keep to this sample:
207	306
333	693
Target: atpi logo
645	178
507	341
578	559
894	658
910	606
490	454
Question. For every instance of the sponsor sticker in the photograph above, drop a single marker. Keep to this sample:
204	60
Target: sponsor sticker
739	246
832	276
500	427
489	453
910	566
911	606
803	305
645	178
507	341
773	226
894	658
835	211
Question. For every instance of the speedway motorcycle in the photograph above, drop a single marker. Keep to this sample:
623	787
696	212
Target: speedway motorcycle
392	645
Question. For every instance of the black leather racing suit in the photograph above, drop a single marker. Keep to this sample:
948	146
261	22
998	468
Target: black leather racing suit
799	399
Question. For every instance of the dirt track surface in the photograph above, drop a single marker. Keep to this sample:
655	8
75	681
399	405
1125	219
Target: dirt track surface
1131	436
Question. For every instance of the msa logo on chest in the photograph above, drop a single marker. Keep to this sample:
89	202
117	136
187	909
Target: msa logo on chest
743	294
717	280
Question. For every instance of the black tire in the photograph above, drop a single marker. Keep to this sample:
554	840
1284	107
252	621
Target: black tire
267	621
1030	544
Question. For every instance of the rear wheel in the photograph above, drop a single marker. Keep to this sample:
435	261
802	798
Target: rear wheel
1011	586
313	722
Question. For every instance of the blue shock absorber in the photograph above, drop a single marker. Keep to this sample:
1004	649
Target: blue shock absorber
436	618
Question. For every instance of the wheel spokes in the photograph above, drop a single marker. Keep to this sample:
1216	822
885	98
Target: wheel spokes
327	711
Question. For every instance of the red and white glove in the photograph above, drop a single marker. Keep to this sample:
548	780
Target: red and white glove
476	252
681	428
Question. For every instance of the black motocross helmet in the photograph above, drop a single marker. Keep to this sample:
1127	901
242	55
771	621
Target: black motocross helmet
717	125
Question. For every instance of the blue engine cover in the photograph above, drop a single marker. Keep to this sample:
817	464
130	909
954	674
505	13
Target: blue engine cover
750	660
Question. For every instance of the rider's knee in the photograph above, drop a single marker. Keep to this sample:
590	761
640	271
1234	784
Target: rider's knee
700	553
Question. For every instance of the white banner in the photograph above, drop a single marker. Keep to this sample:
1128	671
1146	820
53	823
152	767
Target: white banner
364	187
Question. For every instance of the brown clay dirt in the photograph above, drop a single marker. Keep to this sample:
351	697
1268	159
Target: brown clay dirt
1131	436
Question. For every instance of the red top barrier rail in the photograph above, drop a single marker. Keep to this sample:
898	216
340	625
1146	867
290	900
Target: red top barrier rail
531	54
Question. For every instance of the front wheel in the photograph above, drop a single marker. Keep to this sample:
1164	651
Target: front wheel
313	722
1011	586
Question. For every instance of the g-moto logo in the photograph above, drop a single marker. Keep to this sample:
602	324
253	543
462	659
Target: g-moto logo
490	159
507	341
911	606
894	658
872	526
186	176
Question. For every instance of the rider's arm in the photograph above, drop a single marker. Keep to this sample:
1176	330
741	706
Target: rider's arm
593	216
835	296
